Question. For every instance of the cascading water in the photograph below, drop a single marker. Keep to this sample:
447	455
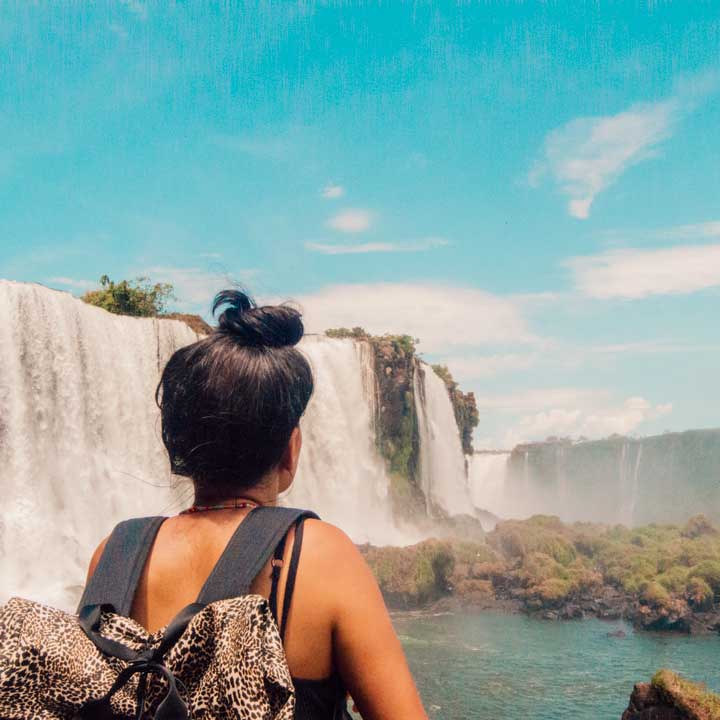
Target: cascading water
79	445
443	475
487	473
341	475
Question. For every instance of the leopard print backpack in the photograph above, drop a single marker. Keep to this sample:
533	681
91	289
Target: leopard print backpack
219	658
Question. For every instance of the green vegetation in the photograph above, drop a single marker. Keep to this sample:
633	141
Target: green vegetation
660	576
692	699
137	297
415	575
357	333
464	406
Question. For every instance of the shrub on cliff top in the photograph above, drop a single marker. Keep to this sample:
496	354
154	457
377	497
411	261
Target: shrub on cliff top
137	297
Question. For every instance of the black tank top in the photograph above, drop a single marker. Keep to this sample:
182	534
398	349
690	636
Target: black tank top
324	699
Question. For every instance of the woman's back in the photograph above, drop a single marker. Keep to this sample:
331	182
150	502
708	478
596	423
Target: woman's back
230	407
332	606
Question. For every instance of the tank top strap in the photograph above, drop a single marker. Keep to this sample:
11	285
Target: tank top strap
291	576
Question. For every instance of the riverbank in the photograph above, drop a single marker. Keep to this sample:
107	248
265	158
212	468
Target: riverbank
661	578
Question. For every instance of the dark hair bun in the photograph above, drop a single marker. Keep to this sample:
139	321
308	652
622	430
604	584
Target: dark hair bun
266	326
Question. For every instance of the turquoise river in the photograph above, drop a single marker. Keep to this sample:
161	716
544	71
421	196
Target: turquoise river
492	666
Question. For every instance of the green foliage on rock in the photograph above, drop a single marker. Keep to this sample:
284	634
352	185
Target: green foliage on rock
356	333
396	420
693	700
138	297
464	407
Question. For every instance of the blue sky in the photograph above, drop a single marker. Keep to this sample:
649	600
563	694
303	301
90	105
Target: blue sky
533	190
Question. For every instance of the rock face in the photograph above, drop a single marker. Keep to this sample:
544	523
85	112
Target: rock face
648	703
669	697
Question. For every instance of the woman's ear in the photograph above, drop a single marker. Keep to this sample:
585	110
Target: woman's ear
289	461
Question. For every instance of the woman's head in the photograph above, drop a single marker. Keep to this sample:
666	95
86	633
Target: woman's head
230	402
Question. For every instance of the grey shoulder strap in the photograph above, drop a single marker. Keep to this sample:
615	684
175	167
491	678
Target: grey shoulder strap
121	564
248	551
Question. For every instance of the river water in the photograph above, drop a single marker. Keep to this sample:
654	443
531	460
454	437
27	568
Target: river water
492	666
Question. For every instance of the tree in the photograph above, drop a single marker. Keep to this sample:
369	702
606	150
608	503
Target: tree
138	297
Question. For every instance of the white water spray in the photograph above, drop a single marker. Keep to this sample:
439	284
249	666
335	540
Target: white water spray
79	433
442	463
341	475
487	475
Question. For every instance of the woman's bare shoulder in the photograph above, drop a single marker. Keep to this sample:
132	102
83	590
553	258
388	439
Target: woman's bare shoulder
327	550
95	559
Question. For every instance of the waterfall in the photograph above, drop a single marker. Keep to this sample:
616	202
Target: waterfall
79	445
443	475
341	475
487	472
80	448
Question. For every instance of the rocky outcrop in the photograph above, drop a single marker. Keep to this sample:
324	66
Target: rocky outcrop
670	697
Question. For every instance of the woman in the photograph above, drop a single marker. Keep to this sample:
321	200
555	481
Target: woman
230	406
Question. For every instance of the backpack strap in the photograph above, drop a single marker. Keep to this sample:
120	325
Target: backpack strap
248	551
121	564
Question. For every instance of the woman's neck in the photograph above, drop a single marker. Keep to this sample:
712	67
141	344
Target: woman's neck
264	493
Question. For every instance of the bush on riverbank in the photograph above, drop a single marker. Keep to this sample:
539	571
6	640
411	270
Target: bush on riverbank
660	577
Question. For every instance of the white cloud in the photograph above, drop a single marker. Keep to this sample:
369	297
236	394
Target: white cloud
695	231
480	367
633	273
588	154
331	192
374	247
351	221
194	287
73	283
542	398
571	412
623	420
443	317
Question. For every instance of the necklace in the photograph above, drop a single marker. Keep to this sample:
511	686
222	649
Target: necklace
235	505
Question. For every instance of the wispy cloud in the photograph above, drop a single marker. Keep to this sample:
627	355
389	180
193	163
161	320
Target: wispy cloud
74	283
634	273
598	422
587	154
332	192
351	221
571	412
195	287
480	367
376	247
442	317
